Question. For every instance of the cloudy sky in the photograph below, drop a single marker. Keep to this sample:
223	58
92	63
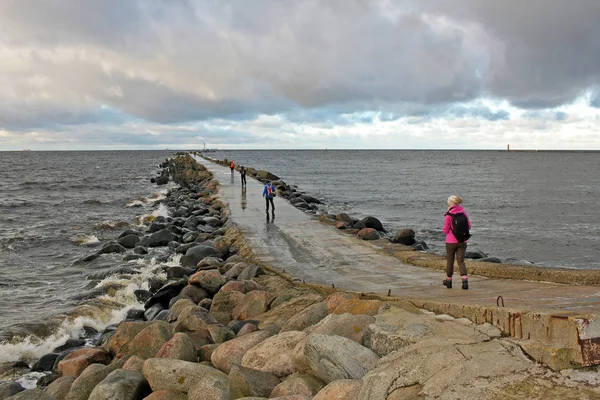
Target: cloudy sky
152	74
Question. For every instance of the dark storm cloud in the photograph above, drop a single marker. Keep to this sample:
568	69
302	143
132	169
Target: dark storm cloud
180	61
543	53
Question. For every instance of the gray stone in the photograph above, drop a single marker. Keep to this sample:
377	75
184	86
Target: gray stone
252	382
31	394
250	272
404	236
335	357
60	387
213	387
178	375
196	254
121	385
307	317
8	389
274	354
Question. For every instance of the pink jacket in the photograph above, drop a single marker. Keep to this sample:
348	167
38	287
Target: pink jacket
455	209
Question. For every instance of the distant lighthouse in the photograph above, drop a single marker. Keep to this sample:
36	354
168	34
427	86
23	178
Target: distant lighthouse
508	147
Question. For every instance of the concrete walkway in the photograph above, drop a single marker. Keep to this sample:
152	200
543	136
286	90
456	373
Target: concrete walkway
318	253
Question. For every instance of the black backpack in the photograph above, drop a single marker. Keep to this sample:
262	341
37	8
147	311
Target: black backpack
460	227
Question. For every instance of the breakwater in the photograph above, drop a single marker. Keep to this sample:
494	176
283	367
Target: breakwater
225	326
402	244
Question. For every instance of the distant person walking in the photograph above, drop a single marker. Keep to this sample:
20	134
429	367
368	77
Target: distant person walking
232	167
456	227
268	194
243	174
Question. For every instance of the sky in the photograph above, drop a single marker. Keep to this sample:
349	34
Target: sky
299	74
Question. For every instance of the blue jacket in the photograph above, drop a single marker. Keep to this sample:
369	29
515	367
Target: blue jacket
265	194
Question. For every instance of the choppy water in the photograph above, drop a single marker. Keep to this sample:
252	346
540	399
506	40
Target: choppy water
56	207
536	206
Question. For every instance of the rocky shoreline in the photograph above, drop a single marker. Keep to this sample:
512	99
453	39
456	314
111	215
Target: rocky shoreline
226	326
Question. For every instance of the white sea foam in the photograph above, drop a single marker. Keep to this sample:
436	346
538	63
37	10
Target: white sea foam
149	201
32	348
126	295
161	210
85	240
29	380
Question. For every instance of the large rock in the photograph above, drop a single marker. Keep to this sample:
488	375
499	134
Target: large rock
274	354
343	217
343	389
404	236
8	389
134	363
196	254
251	271
74	363
307	317
223	305
180	347
195	293
124	334
129	241
368	234
178	307
32	394
122	385
60	387
177	375
232	352
254	303
372	222
335	357
220	333
432	369
347	325
112	247
159	239
150	340
164	295
251	382
244	286
284	312
210	280
214	387
86	382
302	384
45	363
236	269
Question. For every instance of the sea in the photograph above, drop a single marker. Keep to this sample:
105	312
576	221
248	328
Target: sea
59	207
55	209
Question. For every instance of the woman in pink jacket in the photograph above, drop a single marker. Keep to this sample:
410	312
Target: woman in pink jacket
455	247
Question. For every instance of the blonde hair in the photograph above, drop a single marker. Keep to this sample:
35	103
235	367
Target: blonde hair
452	200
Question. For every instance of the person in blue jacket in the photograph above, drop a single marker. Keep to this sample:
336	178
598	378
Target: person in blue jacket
268	194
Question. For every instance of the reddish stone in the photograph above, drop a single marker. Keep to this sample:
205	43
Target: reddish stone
74	363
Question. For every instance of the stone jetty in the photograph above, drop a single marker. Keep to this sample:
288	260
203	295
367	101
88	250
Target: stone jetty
227	325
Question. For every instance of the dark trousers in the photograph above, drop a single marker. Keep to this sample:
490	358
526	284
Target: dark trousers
243	180
455	250
270	200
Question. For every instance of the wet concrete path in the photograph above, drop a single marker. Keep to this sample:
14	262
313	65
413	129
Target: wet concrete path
318	253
